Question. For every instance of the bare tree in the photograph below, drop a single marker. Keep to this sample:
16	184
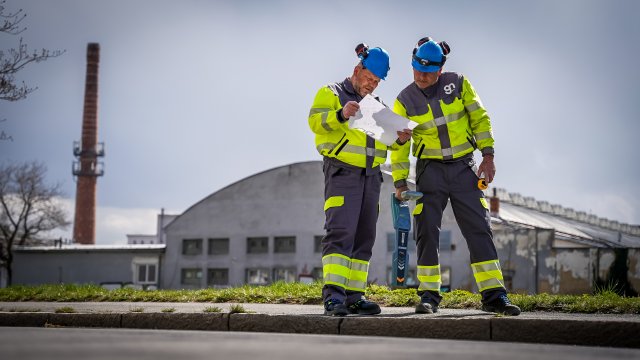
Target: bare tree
28	208
15	59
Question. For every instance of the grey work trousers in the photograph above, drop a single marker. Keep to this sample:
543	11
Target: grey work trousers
350	228
455	181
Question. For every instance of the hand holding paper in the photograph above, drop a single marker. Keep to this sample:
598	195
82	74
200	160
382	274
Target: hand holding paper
379	122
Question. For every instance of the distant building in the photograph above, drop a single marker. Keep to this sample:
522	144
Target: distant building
162	221
548	248
134	239
111	265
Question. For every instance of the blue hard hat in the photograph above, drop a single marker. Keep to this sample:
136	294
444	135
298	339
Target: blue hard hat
376	60
428	57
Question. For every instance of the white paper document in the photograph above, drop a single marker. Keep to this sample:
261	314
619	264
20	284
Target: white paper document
378	121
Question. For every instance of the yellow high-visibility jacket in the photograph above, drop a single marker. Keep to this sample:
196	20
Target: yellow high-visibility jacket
334	138
452	123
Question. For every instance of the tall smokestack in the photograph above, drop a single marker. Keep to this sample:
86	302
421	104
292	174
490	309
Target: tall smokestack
86	167
494	204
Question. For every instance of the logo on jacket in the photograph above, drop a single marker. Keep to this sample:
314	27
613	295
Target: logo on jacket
448	89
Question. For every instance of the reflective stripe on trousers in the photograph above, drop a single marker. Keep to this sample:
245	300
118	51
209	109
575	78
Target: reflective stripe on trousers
429	277
488	275
350	274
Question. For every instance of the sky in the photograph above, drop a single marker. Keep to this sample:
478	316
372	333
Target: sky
195	95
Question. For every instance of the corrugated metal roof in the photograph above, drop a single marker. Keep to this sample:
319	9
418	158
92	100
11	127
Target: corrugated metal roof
567	229
94	248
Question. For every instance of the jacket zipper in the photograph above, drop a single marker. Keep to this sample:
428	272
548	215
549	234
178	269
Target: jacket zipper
341	147
343	135
420	152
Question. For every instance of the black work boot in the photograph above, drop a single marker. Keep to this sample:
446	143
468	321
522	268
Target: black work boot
335	307
501	305
426	307
364	307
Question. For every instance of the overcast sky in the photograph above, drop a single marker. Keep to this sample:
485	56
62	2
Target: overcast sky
196	95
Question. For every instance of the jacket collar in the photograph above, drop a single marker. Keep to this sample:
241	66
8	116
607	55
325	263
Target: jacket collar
348	87
428	91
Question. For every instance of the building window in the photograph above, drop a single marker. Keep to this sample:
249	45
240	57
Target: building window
445	276
257	276
257	245
284	244
317	273
391	241
284	274
445	240
146	273
508	275
191	276
191	246
219	246
217	277
317	243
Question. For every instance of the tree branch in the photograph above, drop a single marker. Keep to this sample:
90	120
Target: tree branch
11	21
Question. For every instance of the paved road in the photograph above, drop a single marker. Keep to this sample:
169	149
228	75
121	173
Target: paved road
108	344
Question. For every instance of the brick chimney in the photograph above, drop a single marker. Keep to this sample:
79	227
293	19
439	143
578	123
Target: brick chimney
494	204
86	167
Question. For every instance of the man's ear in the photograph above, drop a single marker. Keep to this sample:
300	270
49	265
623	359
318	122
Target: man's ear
357	69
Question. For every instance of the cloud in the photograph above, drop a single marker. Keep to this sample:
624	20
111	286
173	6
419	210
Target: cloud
113	223
611	206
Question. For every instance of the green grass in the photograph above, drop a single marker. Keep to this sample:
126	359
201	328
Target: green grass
168	310
65	310
136	310
605	301
236	309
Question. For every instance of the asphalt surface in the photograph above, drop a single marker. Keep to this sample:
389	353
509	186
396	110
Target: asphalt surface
107	344
611	330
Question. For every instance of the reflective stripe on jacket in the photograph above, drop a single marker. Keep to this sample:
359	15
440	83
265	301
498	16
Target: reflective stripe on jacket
452	123
335	139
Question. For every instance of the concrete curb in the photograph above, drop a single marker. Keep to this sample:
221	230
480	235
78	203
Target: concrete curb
568	332
554	331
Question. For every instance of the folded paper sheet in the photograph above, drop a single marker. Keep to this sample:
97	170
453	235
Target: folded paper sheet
378	121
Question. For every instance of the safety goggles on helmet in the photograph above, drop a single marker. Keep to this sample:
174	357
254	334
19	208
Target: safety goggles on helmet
427	62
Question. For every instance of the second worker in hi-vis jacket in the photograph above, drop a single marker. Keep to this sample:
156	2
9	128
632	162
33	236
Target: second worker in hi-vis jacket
452	124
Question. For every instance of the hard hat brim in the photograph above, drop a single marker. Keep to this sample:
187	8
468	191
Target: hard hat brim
427	69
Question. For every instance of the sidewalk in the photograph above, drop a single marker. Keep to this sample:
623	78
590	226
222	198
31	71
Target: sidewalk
619	330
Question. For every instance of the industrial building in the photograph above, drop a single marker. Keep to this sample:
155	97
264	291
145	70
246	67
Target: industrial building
268	227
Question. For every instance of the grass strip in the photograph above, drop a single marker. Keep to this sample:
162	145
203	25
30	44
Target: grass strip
605	301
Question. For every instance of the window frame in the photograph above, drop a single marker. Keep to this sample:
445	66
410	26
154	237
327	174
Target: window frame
317	244
197	278
211	241
199	247
261	272
288	278
279	249
255	238
210	271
